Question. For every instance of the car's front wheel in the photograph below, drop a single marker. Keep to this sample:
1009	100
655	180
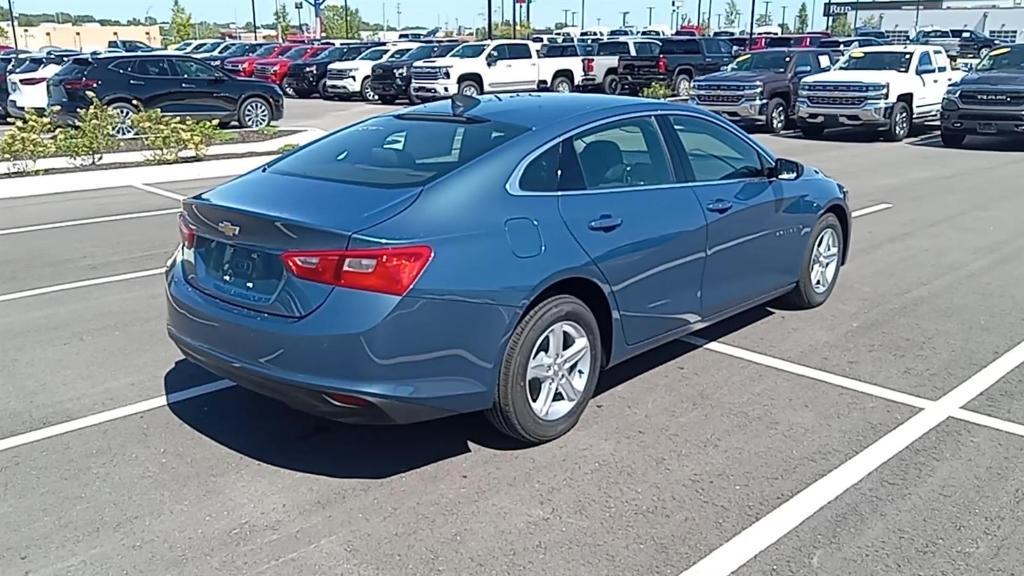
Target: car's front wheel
900	123
778	115
549	371
820	268
254	113
469	88
367	91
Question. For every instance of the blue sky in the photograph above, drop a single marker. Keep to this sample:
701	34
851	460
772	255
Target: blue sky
420	12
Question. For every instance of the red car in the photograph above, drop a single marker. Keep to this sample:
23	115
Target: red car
275	69
245	66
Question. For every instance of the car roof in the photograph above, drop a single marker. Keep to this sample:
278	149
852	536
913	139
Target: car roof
545	108
907	48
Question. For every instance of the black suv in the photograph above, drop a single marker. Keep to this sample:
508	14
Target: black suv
677	63
309	77
989	101
761	87
175	84
391	79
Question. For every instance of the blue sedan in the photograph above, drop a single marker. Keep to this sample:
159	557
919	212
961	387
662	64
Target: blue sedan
493	254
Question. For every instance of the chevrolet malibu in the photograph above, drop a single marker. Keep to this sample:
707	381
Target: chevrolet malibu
493	254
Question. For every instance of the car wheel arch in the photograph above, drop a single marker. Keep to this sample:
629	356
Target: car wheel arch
841	214
471	77
908	99
592	293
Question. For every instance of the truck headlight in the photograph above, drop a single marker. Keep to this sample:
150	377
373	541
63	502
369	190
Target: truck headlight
311	69
446	73
953	92
399	72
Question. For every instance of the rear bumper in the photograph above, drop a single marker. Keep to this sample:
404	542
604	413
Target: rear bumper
411	359
871	114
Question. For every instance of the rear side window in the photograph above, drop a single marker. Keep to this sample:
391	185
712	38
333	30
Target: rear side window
613	49
122	66
397	151
684	47
714	152
623	154
647	48
519	52
541	174
553	50
716	46
156	67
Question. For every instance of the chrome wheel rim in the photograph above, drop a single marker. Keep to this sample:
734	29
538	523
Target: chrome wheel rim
124	127
683	87
902	122
824	260
983	52
256	114
469	90
368	92
563	87
558	370
778	118
613	86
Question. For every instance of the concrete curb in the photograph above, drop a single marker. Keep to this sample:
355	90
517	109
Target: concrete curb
269	146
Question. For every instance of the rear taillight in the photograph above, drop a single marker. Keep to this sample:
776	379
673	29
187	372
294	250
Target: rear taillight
186	231
80	84
588	65
662	65
32	81
384	270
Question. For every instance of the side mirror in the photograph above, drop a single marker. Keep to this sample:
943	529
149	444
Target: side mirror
492	59
925	69
787	169
802	70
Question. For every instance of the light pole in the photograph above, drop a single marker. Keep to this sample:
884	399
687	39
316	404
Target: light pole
814	8
699	11
650	15
917	14
624	13
490	20
783	21
255	34
346	20
565	16
766	4
710	3
753	9
583	13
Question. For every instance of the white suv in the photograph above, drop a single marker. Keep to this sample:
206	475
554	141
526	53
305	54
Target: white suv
885	88
352	77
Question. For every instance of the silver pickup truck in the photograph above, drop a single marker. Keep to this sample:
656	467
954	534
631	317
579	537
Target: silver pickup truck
601	71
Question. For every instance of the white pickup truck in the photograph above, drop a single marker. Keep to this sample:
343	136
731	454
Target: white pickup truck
884	88
351	78
496	66
602	69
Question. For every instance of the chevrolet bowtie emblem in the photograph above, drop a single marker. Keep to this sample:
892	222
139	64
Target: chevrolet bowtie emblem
228	229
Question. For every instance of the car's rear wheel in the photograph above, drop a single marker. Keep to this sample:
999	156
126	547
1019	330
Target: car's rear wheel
682	86
812	132
387	99
549	372
821	265
367	91
778	115
900	123
469	88
124	112
254	113
953	140
561	85
612	84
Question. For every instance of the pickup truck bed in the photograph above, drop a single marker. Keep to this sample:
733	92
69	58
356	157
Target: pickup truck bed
678	62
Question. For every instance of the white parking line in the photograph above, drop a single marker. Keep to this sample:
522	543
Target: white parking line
109	415
96	220
79	284
158	191
779	522
870	210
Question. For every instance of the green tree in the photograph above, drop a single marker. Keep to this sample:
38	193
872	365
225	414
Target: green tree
3	33
181	23
841	26
335	19
150	21
732	14
785	28
282	20
871	21
802	18
763	20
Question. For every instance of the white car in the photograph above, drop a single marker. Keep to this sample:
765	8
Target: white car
27	88
352	77
883	88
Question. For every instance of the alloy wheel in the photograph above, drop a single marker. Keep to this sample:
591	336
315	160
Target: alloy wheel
778	119
470	90
558	370
824	260
256	114
903	123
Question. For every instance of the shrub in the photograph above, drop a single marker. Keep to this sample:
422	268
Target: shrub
267	131
27	142
171	138
657	92
94	136
286	148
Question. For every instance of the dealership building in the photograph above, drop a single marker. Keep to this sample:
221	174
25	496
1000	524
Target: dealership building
1001	19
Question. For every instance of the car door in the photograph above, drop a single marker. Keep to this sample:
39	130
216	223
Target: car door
644	231
755	239
151	82
928	99
522	67
204	91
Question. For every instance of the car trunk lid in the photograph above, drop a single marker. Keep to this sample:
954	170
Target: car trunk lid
241	230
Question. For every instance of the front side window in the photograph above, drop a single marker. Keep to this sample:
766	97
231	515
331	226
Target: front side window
469	51
716	153
396	151
193	69
623	154
925	61
716	46
804	59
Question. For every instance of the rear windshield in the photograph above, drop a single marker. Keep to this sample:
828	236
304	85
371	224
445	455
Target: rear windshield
29	65
392	152
76	67
829	43
778	42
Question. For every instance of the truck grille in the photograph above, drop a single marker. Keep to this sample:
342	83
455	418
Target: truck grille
427	74
700	87
837	100
719	98
232	66
383	73
856	88
264	70
1004	99
338	74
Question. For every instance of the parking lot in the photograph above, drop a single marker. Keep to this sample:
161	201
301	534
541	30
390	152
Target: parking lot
879	434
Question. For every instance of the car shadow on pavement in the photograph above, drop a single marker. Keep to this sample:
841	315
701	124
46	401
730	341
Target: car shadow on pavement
858	136
979	143
270	432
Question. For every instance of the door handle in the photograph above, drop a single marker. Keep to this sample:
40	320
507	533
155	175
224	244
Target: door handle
136	83
186	85
720	206
936	81
606	223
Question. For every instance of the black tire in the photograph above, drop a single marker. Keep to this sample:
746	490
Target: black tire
389	100
124	112
413	98
804	296
561	85
512	413
953	139
249	118
812	132
612	84
983	51
681	85
777	115
471	86
366	92
321	89
900	123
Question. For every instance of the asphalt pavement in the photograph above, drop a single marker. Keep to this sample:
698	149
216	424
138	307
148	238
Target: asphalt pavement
822	442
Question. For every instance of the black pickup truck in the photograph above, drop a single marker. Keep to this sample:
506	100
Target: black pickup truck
390	79
761	87
677	63
989	101
305	79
